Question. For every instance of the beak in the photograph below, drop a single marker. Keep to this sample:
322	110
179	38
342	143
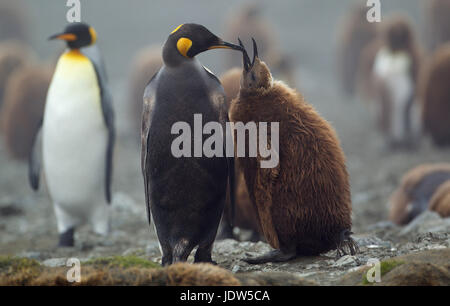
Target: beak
255	51
246	59
225	45
64	36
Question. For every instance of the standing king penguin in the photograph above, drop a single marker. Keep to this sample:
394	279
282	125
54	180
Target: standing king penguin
77	137
184	195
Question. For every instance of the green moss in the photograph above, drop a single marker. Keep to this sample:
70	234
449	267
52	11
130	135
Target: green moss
385	267
15	264
122	262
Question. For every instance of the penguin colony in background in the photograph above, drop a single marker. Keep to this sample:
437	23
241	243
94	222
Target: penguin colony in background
424	187
395	74
246	22
14	16
186	195
21	113
437	14
355	34
77	138
304	203
435	96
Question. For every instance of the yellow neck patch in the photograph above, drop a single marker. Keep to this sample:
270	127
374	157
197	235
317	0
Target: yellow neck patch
93	35
183	46
177	28
74	55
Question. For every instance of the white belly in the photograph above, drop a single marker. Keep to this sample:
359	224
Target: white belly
74	138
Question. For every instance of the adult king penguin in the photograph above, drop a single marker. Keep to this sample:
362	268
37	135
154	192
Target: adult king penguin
185	195
77	137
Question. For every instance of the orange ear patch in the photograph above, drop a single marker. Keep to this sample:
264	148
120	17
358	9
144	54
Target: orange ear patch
183	46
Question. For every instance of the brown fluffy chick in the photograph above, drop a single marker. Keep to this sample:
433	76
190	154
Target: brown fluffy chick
303	203
424	187
13	55
435	96
146	63
437	22
355	33
23	108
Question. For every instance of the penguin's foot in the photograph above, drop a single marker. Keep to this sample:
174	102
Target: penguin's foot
272	256
66	239
346	245
203	254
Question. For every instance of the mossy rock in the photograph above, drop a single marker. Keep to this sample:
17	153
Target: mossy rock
123	262
18	271
426	268
385	267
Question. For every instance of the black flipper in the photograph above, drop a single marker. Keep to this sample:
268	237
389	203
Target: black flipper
35	159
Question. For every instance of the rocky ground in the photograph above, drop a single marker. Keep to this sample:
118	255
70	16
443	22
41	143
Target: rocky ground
27	222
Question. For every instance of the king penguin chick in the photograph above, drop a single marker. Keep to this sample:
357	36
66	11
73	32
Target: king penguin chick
423	187
435	95
23	107
13	55
77	137
184	194
303	202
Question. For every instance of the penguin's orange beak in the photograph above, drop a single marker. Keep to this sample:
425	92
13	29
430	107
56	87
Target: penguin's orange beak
64	36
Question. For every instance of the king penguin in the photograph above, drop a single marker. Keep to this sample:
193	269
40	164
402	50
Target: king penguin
77	137
184	195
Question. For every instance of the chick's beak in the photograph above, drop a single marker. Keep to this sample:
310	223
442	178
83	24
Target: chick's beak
64	36
246	59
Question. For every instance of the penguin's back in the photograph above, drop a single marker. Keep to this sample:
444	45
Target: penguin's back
74	132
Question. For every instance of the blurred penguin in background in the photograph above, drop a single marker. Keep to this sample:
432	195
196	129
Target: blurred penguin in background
145	65
425	187
13	55
23	107
395	74
355	34
435	96
437	22
247	21
14	17
77	137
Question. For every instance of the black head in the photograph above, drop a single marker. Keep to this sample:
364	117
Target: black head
77	35
190	39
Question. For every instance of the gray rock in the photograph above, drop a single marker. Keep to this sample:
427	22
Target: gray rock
428	221
55	262
346	260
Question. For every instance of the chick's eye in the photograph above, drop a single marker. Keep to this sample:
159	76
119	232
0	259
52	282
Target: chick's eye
253	77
